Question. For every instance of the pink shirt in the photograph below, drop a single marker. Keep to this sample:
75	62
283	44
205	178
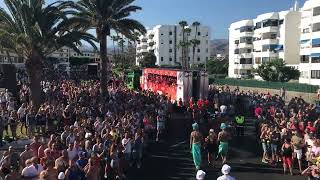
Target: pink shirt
315	150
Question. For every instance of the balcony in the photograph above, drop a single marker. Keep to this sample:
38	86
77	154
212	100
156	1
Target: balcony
269	41
144	50
243	66
245	45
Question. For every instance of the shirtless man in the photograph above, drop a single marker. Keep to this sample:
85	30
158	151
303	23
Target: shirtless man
223	138
50	173
195	145
26	154
91	171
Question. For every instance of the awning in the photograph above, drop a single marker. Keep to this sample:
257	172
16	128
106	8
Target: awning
279	48
306	41
315	55
315	41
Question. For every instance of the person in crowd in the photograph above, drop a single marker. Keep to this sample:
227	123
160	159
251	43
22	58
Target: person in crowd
223	138
25	155
195	145
200	175
287	154
211	145
298	144
226	173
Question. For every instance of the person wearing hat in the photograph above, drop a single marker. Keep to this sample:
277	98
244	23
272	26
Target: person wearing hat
200	175
226	171
211	144
223	138
195	145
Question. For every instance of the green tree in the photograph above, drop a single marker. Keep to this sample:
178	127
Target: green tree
104	16
34	31
148	61
277	71
217	67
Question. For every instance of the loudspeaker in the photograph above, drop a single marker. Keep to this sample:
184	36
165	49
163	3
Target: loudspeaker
8	78
92	70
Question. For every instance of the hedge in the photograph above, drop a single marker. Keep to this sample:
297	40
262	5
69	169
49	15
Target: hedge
306	88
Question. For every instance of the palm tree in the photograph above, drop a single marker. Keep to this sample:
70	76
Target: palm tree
34	31
104	16
183	25
195	42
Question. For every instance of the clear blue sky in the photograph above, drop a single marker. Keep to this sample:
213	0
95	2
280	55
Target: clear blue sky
217	14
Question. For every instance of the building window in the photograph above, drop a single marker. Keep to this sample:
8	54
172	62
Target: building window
316	27
265	59
199	33
236	51
270	23
170	41
207	42
170	59
198	59
269	47
258	25
257	60
207	58
170	50
198	50
247	40
315	59
304	59
316	42
189	58
170	33
207	50
315	74
246	29
281	21
161	34
236	42
306	30
316	11
246	61
161	58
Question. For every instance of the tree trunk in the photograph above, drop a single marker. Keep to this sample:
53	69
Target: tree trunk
103	65
34	70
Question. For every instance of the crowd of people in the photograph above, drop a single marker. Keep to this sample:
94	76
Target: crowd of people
78	136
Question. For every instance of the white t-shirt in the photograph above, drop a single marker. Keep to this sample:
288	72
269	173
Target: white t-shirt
226	177
126	143
32	171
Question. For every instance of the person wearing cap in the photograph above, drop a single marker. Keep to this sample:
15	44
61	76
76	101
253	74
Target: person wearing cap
211	144
200	175
226	171
195	145
223	138
61	176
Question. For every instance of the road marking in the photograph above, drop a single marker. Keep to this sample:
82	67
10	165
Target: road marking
178	144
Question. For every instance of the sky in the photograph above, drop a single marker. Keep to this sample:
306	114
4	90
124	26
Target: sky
217	14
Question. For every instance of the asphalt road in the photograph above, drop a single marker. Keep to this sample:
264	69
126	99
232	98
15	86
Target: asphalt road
172	160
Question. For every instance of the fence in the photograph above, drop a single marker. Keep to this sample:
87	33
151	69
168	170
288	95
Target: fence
265	84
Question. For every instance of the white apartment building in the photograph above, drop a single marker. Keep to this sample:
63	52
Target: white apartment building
63	56
269	36
163	41
310	43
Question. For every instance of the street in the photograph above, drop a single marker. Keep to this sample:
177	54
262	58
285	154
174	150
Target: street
172	159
